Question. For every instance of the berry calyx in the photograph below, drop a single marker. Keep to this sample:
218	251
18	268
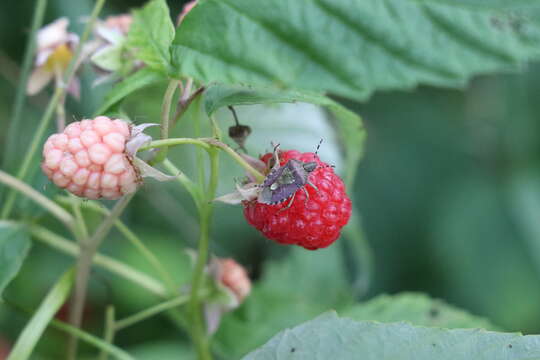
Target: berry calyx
312	222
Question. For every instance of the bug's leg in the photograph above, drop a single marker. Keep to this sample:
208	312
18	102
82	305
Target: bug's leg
307	195
276	156
288	205
312	185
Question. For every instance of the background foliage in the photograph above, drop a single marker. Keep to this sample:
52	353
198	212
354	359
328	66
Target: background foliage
447	191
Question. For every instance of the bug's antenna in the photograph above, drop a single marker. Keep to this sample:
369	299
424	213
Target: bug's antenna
318	147
234	115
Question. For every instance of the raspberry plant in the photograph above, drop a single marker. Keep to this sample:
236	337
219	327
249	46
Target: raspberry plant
268	57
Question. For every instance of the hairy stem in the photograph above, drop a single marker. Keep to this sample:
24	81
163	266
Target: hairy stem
47	115
195	307
88	250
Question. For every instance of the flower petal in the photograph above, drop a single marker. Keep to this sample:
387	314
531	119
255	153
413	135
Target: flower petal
53	34
38	79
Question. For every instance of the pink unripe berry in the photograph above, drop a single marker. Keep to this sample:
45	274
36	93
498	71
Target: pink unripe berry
234	277
88	159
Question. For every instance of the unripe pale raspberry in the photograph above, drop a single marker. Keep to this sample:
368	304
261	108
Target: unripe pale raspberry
234	277
89	160
312	223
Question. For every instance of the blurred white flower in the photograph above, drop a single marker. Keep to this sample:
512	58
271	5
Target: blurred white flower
54	52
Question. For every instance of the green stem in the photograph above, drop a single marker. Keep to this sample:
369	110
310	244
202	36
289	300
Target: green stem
109	330
152	311
206	143
165	116
46	118
15	122
132	238
190	186
79	220
92	340
82	335
116	267
89	249
195	307
41	200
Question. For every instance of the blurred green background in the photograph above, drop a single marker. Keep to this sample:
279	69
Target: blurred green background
448	193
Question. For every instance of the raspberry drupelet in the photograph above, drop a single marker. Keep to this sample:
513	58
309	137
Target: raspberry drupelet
89	160
312	223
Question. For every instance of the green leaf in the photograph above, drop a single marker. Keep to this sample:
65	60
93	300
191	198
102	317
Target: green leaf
151	35
332	337
348	123
47	309
293	290
14	246
137	81
417	308
159	350
348	47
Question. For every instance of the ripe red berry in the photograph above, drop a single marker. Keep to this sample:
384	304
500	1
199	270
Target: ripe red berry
313	224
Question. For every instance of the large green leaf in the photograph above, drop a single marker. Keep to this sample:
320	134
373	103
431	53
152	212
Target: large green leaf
14	246
332	337
417	308
151	34
348	123
348	47
36	326
122	89
293	290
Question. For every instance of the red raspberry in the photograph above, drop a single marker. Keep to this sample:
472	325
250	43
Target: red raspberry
313	224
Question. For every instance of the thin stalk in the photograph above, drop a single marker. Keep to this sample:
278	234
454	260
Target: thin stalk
151	311
61	105
29	52
184	105
46	118
199	152
131	237
79	220
109	330
173	142
39	199
236	157
116	267
82	335
165	116
205	143
89	249
195	309
190	186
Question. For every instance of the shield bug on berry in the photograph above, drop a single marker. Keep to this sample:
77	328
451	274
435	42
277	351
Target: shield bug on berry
282	182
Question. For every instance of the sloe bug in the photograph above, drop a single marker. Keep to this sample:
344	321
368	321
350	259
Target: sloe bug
283	181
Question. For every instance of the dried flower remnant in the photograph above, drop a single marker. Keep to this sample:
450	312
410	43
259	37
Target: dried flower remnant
55	47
